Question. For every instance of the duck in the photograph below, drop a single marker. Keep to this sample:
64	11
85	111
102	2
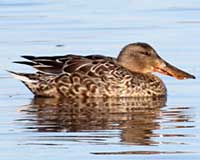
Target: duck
128	75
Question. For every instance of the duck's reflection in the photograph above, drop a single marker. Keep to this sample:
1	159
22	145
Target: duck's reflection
135	117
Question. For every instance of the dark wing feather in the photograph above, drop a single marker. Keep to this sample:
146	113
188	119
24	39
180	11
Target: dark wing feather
25	62
93	65
33	58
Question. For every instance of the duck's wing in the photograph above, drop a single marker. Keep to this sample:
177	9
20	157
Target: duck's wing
90	65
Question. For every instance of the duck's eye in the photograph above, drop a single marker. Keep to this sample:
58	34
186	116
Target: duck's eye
145	53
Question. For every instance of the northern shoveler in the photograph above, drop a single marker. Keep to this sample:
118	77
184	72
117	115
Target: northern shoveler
129	75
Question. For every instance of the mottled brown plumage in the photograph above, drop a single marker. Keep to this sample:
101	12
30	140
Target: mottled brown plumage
99	76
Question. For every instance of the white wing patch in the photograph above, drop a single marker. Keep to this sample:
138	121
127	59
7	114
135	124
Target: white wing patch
22	77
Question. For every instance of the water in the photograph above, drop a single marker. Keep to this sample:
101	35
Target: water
99	128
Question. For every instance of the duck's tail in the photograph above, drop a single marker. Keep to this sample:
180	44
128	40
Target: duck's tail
30	80
37	83
24	77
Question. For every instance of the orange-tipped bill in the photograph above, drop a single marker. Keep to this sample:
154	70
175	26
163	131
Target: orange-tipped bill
170	70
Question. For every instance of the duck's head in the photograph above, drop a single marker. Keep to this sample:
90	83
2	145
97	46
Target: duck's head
142	58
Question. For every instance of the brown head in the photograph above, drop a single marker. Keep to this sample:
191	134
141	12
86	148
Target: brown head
142	58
